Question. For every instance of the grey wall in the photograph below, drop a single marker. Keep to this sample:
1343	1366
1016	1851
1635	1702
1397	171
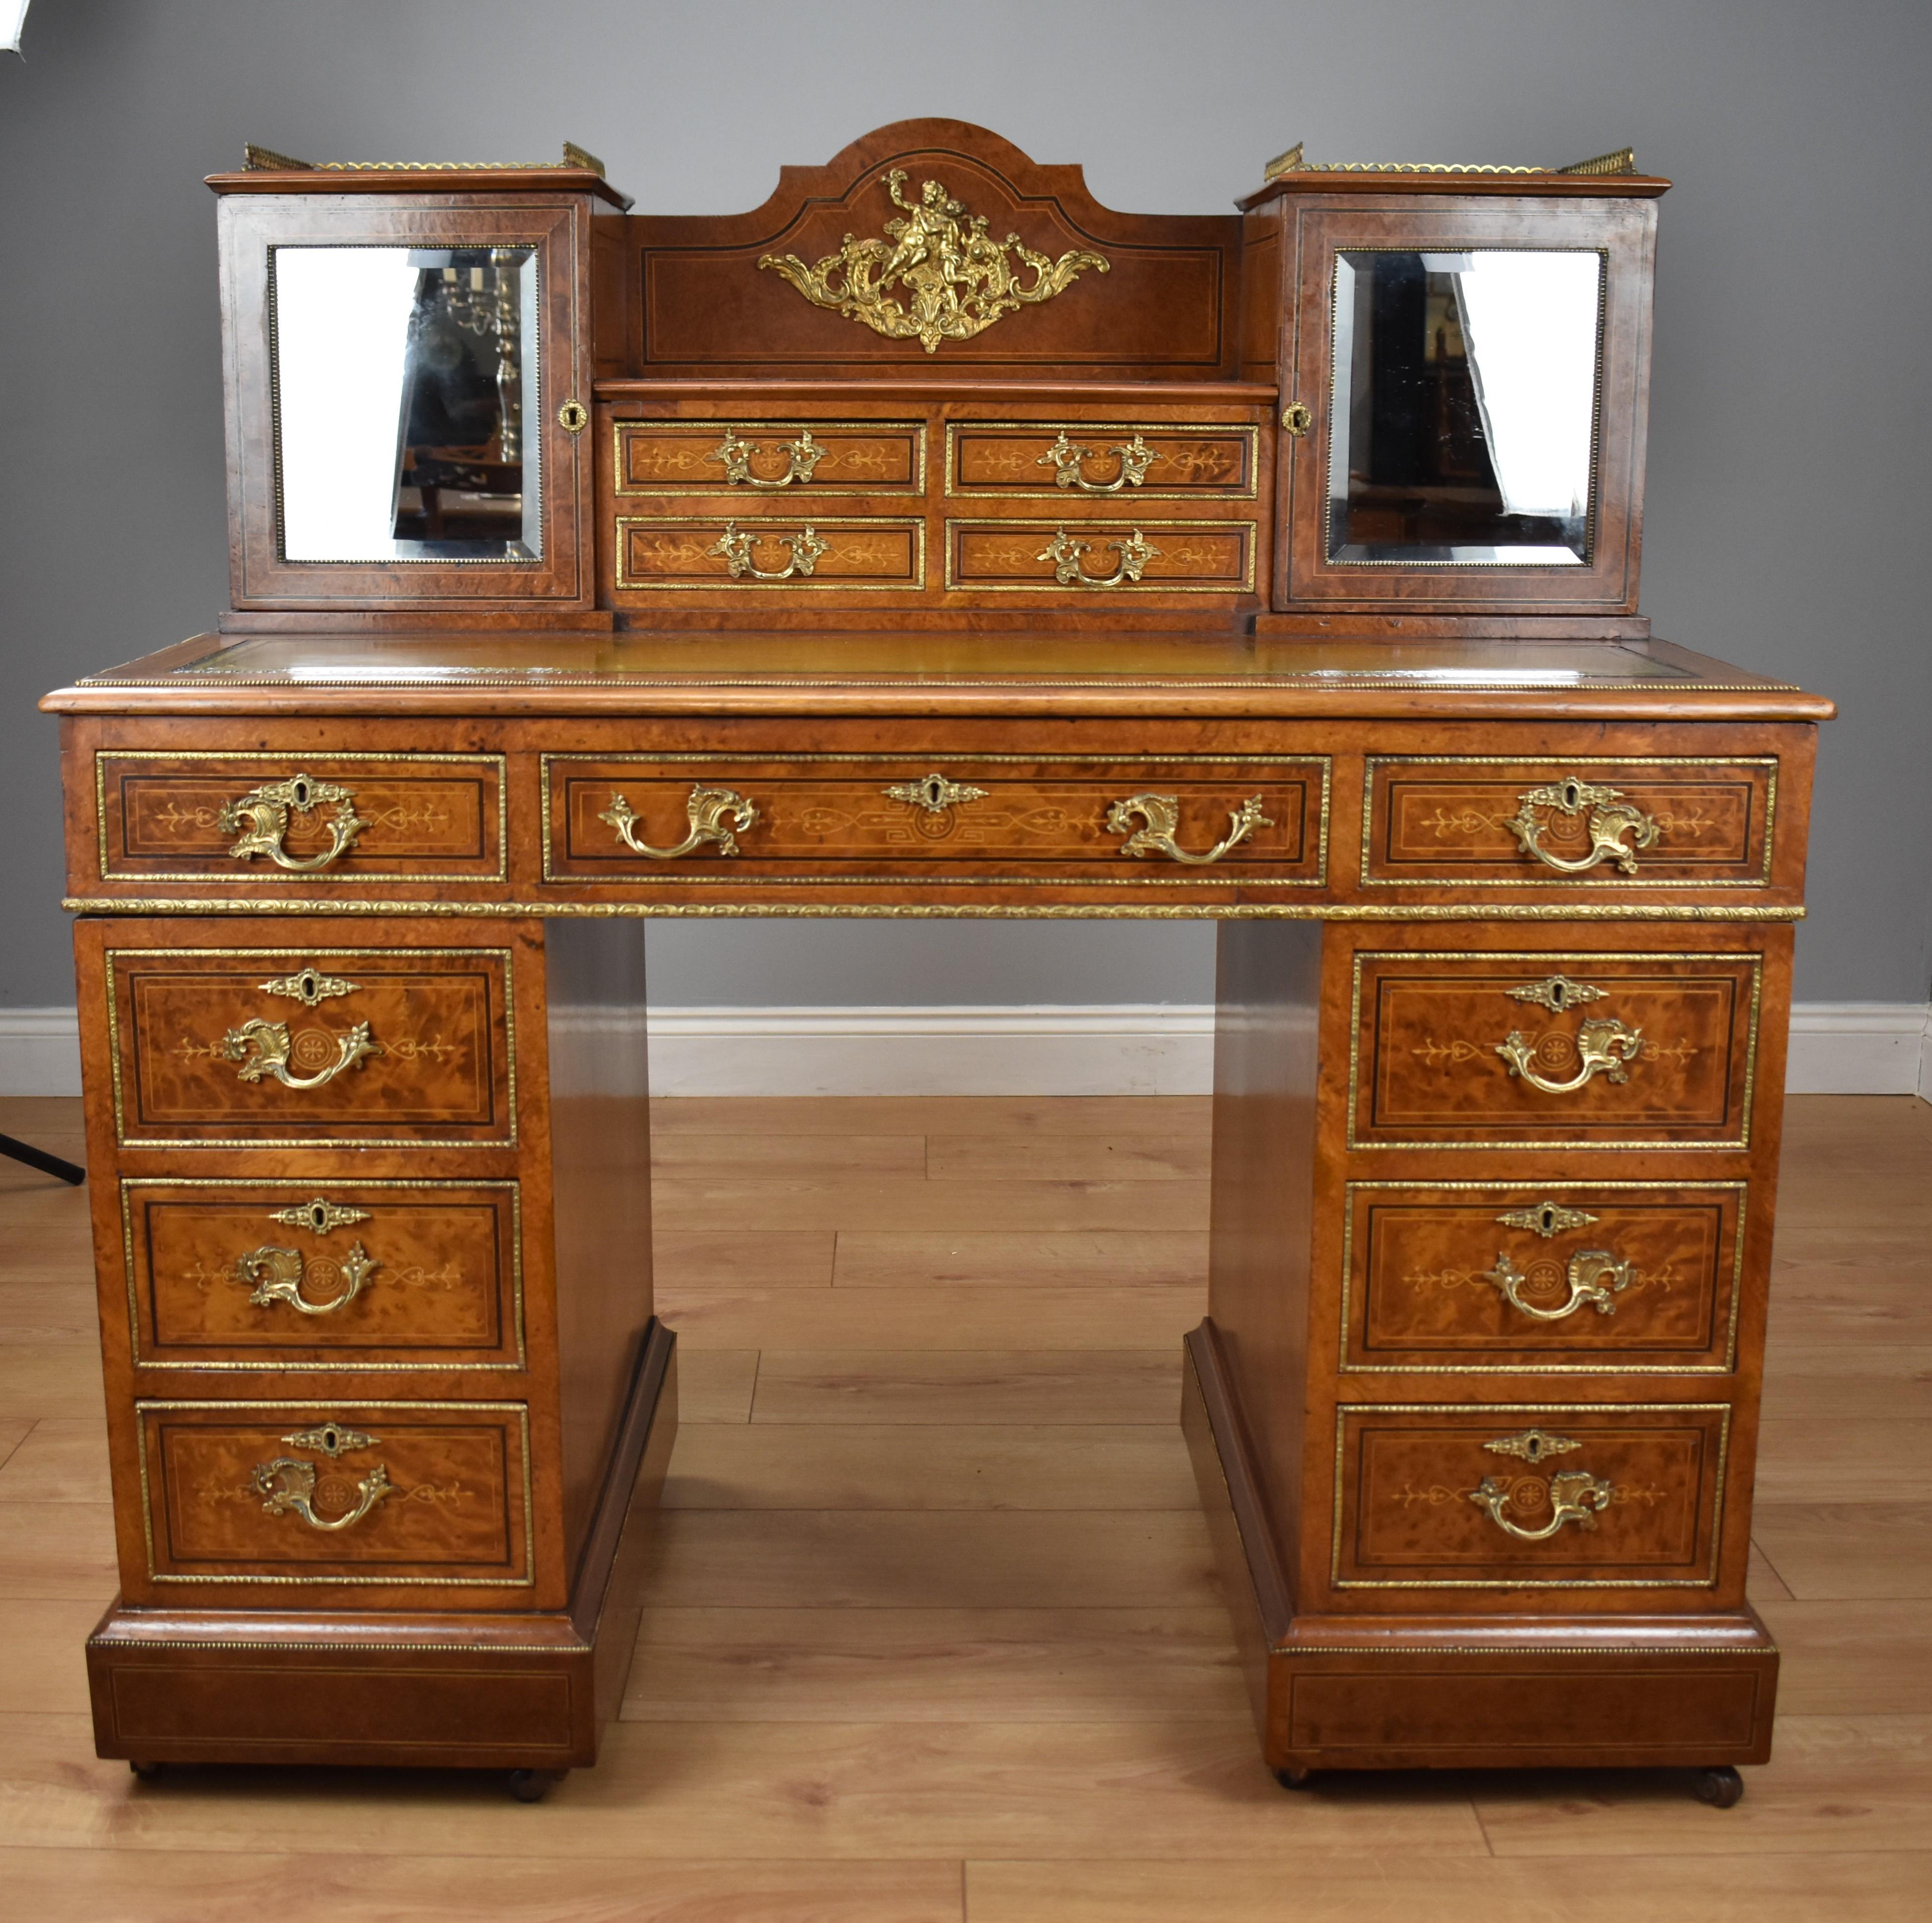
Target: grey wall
1790	484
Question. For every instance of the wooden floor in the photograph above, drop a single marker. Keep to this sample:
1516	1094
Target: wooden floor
934	1634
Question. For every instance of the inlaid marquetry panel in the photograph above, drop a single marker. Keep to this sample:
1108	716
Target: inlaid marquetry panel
310	1048
1594	1051
1541	1497
751	458
218	816
1453	1278
741	554
1675	821
1082	556
368	1493
333	1274
1128	460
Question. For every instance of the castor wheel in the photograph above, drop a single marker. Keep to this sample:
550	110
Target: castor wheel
147	1771
1294	1779
1720	1787
532	1786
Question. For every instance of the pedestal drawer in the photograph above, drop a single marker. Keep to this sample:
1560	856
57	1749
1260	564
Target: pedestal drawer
339	1275
1611	1276
310	1048
358	1492
1528	1497
1503	1050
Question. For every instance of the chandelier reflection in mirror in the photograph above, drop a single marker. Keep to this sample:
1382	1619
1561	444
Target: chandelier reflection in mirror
406	403
1463	417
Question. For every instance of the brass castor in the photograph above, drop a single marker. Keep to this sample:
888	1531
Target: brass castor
147	1771
1720	1787
1294	1779
532	1786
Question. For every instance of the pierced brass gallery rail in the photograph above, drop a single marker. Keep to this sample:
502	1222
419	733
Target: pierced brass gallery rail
260	818
1161	814
277	1275
1065	551
706	812
957	281
1603	1044
266	1048
1594	1275
808	547
802	456
1132	460
1609	818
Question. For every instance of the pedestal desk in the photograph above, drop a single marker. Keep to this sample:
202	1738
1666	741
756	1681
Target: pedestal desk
1278	568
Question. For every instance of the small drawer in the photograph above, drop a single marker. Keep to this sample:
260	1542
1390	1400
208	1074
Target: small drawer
673	817
669	457
1529	1498
1078	557
311	1048
744	553
1614	1277
1664	821
1535	1050
363	1493
1064	459
338	1275
279	819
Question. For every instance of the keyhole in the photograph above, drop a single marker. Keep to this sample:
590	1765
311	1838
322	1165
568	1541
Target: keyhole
1572	792
299	792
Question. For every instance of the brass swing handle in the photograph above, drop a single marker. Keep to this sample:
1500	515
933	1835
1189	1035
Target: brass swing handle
1602	1043
1594	1276
275	1275
264	1047
1066	552
1132	459
1609	818
706	812
1575	1496
807	548
1161	813
287	1488
260	818
802	456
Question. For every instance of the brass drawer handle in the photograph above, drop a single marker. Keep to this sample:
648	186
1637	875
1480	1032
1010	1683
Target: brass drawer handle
1575	1496
807	548
802	456
1594	1277
277	1275
1066	552
265	1049
261	819
1162	815
1610	818
706	810
1132	460
287	1488
1604	1043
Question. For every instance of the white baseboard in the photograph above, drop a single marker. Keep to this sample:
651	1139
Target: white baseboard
1110	1048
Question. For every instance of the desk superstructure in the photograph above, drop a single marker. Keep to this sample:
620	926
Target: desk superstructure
933	540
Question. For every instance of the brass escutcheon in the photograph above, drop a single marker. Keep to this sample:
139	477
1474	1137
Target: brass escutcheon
260	818
1297	418
1608	820
573	417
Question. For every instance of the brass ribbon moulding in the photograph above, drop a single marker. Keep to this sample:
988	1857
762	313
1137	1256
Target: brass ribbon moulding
707	811
1161	815
958	280
1609	819
260	819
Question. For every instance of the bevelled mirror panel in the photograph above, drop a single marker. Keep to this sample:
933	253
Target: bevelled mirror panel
407	404
1462	424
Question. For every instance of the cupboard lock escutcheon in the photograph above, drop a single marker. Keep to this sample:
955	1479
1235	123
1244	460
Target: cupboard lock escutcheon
1298	417
573	417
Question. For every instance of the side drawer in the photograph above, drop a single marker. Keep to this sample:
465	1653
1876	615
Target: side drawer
1494	1050
741	553
1065	459
670	458
311	1048
368	1493
1060	558
341	1275
1672	821
276	820
1529	1498
671	818
1622	1276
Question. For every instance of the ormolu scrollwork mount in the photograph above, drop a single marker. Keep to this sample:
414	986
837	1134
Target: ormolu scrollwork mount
935	542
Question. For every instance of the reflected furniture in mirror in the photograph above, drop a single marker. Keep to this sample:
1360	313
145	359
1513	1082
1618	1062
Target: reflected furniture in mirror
934	540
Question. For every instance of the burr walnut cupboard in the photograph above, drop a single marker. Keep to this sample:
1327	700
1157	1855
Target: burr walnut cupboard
934	541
